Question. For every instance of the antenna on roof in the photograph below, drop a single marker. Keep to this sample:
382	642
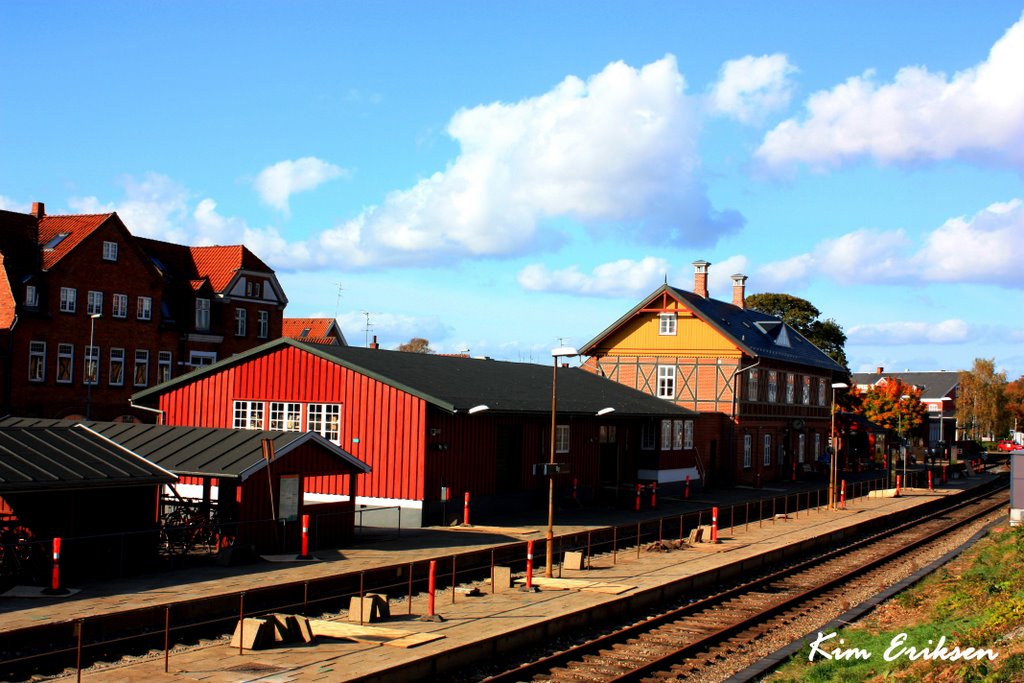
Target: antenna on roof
666	278
337	302
366	341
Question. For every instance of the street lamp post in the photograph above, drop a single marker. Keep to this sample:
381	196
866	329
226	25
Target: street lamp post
833	470
560	352
93	365
903	450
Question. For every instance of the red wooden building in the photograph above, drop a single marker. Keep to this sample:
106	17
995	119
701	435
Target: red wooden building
425	422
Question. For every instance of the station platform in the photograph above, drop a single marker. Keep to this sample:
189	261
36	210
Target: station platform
471	623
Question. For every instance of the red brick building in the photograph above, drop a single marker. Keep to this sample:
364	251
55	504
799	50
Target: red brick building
90	314
769	387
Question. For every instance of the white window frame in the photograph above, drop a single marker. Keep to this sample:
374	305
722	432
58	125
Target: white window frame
666	435
68	298
325	420
141	363
199	359
648	437
753	384
773	386
285	416
821	391
677	435
92	360
240	322
263	324
164	364
144	308
790	387
94	303
31	296
767	450
109	251
806	393
253	289
667	382
801	448
688	434
119	305
561	438
116	361
748	458
65	351
667	324
248	415
202	314
37	361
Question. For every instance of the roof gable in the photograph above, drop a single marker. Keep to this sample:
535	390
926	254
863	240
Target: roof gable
59	235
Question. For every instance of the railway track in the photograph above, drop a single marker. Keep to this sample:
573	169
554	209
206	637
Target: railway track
691	641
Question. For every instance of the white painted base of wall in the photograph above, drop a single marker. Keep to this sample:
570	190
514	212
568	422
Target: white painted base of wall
196	491
669	476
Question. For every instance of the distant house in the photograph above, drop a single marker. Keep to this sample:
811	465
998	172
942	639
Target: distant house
314	331
90	313
939	390
427	423
765	389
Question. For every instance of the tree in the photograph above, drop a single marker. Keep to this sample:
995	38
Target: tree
416	345
1014	394
884	405
805	318
980	406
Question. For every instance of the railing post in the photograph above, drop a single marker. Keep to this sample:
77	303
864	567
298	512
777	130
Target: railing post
167	638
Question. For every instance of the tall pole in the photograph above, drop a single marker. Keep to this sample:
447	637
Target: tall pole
551	481
92	366
833	455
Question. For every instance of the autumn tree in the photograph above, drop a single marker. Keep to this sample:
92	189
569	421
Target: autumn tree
980	405
805	318
416	345
1014	395
850	400
884	405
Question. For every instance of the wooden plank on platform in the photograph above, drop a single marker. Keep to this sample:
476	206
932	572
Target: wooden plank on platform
392	637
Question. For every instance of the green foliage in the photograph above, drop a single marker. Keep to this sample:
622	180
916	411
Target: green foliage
803	317
982	403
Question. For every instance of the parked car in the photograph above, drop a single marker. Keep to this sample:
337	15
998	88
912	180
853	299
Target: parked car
1007	445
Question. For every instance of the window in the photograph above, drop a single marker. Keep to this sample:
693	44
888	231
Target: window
677	435
248	415
666	435
144	308
817	447
263	325
562	439
767	450
806	395
773	386
325	420
94	303
752	384
67	299
65	363
666	381
109	251
163	367
252	289
821	392
801	448
55	240
285	417
688	434
747	459
117	367
202	314
92	359
36	361
790	387
240	322
198	359
667	324
606	434
31	296
141	368
648	437
119	306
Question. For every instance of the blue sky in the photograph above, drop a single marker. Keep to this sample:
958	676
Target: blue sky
508	177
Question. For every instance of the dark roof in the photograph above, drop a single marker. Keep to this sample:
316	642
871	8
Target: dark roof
862	423
199	451
933	384
457	384
759	335
68	456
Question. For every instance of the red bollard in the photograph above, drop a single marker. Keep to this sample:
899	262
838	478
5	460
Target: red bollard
714	525
654	495
431	587
465	511
842	495
930	488
639	488
944	474
898	482
686	494
55	582
529	565
575	483
305	539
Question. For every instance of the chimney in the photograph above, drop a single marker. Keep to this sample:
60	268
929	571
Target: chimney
38	209
879	369
700	278
739	290
374	344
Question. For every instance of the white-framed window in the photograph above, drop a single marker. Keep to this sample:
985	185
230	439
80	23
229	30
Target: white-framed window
94	303
790	387
92	360
677	435
253	289
68	296
801	448
667	324
163	366
688	434
325	420
773	386
109	251
821	391
31	296
753	382
667	381
248	415
562	439
116	367
263	324
285	416
240	319
666	435
817	446
65	363
748	460
37	361
648	436
119	306
144	308
141	367
198	359
606	434
767	450
202	314
806	395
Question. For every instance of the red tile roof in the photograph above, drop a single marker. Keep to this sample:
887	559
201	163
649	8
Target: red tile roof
77	229
219	264
318	327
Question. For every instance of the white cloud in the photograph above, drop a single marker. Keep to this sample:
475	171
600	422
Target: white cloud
751	87
622	278
392	329
954	331
977	113
985	248
278	182
153	206
8	204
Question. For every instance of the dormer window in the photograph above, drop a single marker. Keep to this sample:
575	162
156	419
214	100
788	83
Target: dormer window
109	251
252	289
305	332
667	324
55	240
